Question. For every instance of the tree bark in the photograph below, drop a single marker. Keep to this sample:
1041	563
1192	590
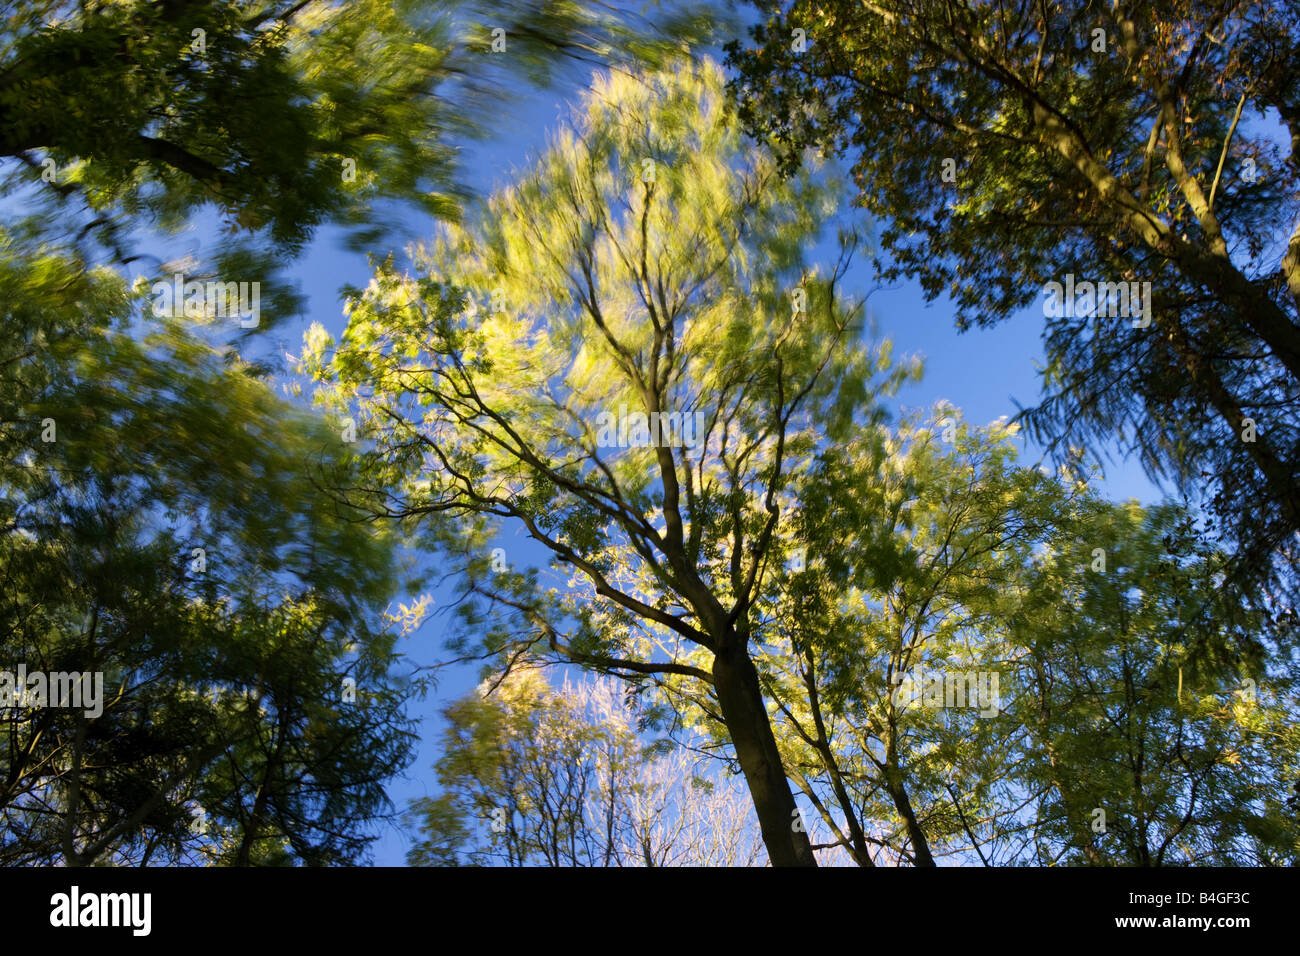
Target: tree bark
921	855
740	698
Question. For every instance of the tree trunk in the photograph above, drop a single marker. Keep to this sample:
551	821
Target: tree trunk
740	698
897	791
253	829
920	845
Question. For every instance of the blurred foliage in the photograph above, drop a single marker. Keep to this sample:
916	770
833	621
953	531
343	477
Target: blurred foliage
1156	694
126	115
647	262
166	521
231	562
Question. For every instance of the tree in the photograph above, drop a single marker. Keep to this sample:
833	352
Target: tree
532	775
985	663
1161	707
170	532
263	107
625	353
1012	145
119	116
887	648
163	532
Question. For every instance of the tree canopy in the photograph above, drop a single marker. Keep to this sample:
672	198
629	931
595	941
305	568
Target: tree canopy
1007	146
165	527
276	116
167	524
818	628
775	572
